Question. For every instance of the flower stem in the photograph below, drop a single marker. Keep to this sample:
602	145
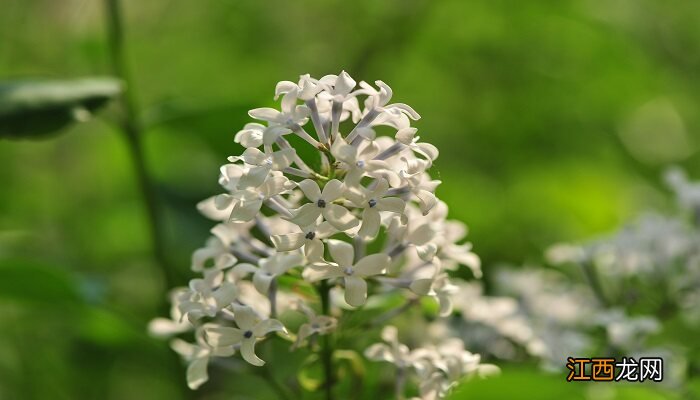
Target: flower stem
326	350
133	130
593	278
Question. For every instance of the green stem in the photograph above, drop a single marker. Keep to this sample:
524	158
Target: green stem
281	390
133	130
326	350
593	278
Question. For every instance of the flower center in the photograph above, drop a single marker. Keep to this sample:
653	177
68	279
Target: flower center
372	203
321	203
248	334
360	164
311	235
348	271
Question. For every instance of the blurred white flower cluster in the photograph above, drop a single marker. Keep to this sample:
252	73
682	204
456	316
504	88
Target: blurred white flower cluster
307	216
438	368
651	265
627	287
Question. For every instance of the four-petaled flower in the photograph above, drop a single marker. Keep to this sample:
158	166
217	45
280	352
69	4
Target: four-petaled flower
372	201
353	274
311	237
250	329
322	204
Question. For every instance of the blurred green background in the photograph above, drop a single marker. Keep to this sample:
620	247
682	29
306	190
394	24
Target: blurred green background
554	121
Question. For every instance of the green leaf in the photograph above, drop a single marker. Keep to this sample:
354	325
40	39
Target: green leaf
30	282
102	326
353	359
36	108
305	374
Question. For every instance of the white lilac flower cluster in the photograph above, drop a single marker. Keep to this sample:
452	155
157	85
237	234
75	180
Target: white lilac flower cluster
653	263
531	312
288	223
544	314
438	368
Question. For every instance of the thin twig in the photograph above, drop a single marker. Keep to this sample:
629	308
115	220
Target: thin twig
594	281
132	128
326	349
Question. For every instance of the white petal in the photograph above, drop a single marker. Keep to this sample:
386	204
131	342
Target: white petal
427	251
385	92
224	261
284	87
226	294
185	349
262	281
373	264
304	332
242	270
313	249
333	189
275	185
289	101
344	152
288	242
223	336
421	287
339	217
163	327
197	372
250	135
392	204
245	210
254	177
208	209
310	189
406	109
379	352
422	235
379	189
445	305
390	334
406	135
355	291
267	326
301	112
223	201
343	253
265	114
272	133
428	150
306	215
344	84
324	230
245	317
317	273
254	156
357	196
371	221
427	201
248	352
283	158
201	256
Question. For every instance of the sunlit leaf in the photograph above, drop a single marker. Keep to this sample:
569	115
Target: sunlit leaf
304	375
36	108
105	327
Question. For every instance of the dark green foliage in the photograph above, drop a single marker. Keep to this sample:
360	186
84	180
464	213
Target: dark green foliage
34	109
